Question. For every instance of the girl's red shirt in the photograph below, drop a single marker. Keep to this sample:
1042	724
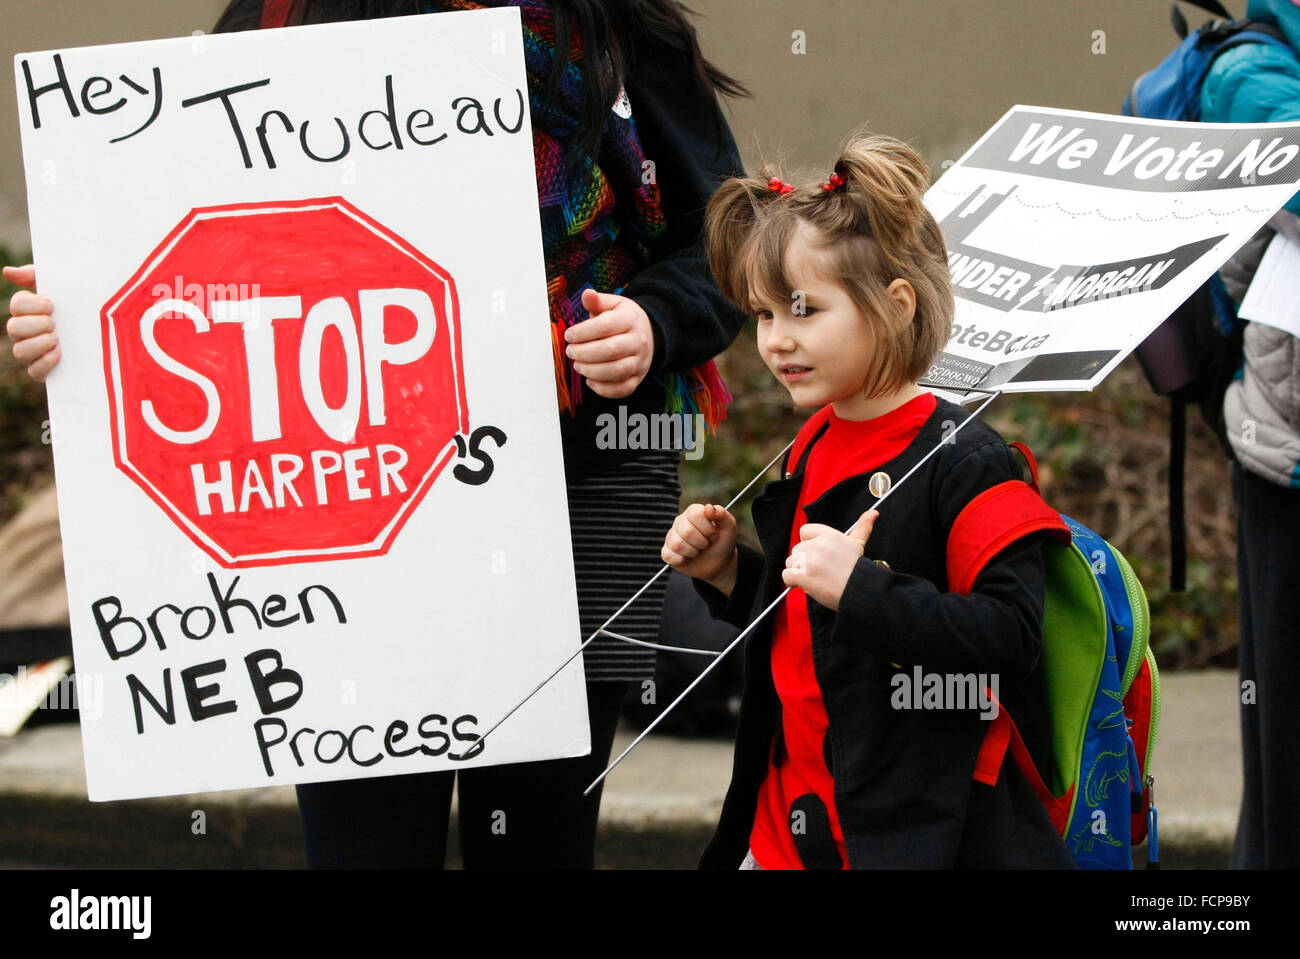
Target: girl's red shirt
798	771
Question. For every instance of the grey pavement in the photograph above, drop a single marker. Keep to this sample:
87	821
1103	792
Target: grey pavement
659	807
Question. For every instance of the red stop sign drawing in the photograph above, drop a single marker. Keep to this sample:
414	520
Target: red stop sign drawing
285	380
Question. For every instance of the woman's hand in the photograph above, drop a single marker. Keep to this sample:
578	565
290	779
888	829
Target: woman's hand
30	325
823	559
702	544
613	349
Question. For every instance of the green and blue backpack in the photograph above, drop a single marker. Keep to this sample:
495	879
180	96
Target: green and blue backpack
1103	687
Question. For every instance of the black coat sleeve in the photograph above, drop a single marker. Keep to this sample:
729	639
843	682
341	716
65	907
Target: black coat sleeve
686	137
907	620
737	608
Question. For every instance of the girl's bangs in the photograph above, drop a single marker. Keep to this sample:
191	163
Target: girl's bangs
762	274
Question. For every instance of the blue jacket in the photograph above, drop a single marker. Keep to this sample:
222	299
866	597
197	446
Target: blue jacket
1257	83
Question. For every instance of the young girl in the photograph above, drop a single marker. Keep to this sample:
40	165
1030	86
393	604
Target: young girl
837	765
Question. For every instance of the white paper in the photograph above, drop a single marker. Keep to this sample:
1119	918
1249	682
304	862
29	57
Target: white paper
1273	297
455	603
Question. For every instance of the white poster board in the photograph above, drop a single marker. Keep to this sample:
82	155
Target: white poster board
308	461
1072	235
1273	297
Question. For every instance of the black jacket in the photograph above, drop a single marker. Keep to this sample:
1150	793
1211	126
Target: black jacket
902	778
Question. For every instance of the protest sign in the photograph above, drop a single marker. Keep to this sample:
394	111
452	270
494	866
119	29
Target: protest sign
306	445
1072	235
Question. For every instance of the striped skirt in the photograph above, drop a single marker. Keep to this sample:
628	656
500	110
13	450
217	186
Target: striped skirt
618	520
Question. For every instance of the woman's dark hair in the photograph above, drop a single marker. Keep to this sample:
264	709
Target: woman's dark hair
617	27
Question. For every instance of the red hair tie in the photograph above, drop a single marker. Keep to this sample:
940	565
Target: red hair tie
836	182
777	186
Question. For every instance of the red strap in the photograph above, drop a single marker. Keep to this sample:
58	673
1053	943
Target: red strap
1138	705
1003	735
275	13
1032	463
990	523
988	763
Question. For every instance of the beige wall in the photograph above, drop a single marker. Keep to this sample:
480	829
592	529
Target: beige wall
30	25
936	72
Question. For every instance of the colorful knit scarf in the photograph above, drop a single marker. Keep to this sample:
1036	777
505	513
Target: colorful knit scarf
589	238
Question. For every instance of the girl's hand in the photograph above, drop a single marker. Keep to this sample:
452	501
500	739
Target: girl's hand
823	560
702	544
30	325
614	348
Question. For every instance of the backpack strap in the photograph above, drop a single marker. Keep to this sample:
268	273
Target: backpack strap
990	523
1209	6
1177	500
1002	737
1028	456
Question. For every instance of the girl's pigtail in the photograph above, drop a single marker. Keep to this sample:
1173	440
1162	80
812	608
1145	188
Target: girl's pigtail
882	200
885	184
732	215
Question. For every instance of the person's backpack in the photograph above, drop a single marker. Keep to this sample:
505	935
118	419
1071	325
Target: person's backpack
1103	686
1172	89
1192	356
